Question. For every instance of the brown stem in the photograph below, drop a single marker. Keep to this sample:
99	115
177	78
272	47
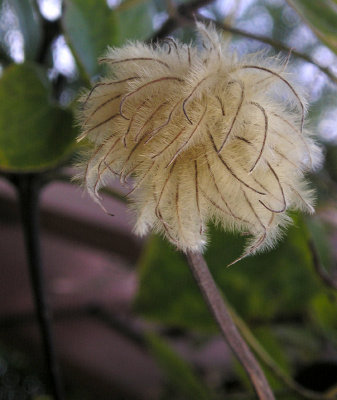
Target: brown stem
222	316
319	268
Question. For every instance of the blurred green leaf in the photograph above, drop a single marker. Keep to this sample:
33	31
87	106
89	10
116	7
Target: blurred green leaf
299	341
277	283
180	374
167	292
89	38
125	4
90	26
30	26
135	22
322	18
273	347
34	134
324	312
320	235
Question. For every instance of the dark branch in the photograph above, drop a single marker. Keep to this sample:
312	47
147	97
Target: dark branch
264	39
186	14
182	15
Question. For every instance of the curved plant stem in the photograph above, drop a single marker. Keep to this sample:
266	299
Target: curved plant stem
28	189
273	366
320	270
223	318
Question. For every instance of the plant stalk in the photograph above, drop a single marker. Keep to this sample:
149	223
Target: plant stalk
28	188
227	326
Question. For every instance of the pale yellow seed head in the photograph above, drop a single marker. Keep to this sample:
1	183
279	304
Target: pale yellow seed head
201	136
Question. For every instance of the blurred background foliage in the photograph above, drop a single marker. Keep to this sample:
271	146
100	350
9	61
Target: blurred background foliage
287	297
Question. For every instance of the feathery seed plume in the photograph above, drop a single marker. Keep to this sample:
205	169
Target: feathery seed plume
201	135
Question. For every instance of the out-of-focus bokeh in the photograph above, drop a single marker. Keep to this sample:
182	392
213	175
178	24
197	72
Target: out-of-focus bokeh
129	321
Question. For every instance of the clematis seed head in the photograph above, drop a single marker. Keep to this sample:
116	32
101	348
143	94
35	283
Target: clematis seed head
198	135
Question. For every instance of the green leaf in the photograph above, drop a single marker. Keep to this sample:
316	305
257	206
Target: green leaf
277	283
135	22
179	373
29	24
322	18
320	235
34	134
167	292
89	39
324	312
300	342
90	26
125	4
273	347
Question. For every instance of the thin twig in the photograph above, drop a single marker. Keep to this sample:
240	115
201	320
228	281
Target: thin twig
264	39
220	312
321	271
187	13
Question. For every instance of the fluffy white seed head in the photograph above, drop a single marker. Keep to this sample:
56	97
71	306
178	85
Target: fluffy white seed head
201	136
